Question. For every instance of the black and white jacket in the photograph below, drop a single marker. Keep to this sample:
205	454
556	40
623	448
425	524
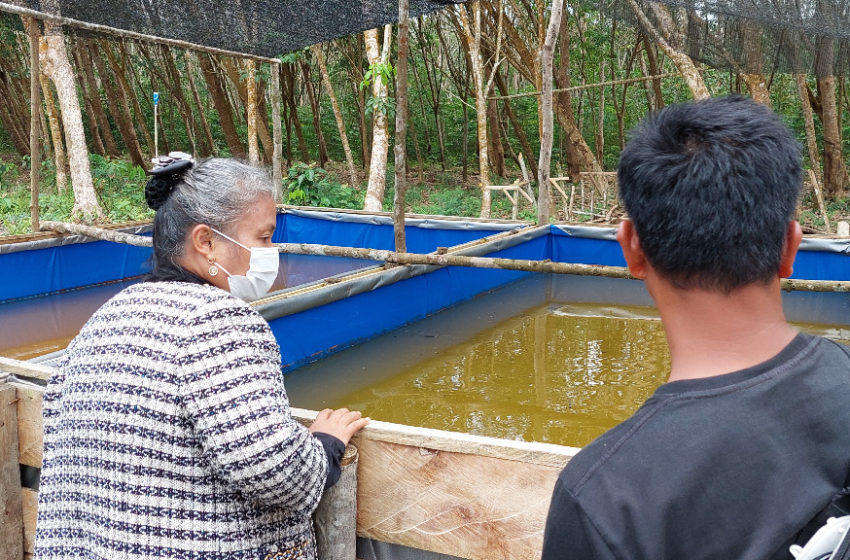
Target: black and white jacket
168	434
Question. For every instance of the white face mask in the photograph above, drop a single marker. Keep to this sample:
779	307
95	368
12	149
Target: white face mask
261	273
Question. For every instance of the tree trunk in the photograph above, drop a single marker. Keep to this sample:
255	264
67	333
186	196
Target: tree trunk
60	160
314	107
192	75
266	140
380	135
684	63
497	150
809	122
401	129
547	53
54	58
97	106
472	36
753	74
97	141
128	97
12	127
326	78
517	126
579	155
652	60
222	107
121	112
260	108
834	170
289	83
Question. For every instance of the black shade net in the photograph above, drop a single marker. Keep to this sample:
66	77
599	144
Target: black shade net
751	36
261	27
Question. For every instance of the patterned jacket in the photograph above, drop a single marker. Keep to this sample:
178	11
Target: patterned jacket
168	434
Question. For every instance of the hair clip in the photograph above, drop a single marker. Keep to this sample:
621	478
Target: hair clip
173	163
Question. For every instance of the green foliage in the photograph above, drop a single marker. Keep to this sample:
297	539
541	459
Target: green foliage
307	185
384	105
119	186
383	70
449	202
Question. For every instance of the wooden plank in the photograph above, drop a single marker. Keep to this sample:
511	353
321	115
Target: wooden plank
27	369
30	507
11	506
453	503
30	427
544	454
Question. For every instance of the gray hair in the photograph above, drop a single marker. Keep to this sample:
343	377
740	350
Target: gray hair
215	192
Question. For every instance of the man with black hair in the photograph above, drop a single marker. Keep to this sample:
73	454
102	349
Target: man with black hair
750	437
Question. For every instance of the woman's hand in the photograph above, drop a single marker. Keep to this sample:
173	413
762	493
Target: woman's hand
340	423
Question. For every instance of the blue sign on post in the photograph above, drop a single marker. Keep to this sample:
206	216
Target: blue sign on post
156	98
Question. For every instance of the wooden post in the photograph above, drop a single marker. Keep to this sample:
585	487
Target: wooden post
35	113
277	174
11	508
251	116
336	516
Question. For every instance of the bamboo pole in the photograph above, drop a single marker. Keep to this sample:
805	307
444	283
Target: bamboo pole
336	517
35	114
277	173
523	265
106	30
98	233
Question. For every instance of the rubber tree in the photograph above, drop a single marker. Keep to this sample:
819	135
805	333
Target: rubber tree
378	57
54	59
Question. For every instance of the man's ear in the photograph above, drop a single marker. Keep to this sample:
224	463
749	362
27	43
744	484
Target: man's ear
630	244
793	236
200	239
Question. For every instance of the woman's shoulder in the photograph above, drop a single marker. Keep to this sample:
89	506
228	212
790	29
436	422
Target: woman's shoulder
190	302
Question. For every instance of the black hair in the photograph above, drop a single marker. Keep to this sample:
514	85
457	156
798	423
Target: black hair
711	187
215	192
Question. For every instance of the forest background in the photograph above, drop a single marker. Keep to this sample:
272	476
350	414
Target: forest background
473	112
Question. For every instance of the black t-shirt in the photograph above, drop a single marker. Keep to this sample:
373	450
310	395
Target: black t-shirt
722	468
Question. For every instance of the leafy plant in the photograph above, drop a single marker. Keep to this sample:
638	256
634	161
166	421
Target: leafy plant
383	70
384	105
308	185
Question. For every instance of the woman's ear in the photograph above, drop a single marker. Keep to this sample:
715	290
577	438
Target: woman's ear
630	244
793	236
201	240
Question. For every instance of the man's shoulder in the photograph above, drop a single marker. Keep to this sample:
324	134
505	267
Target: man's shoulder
722	411
595	459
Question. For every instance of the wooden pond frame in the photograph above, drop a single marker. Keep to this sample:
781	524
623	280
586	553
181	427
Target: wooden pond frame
469	496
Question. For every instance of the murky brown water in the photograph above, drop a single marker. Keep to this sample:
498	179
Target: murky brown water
545	359
506	367
38	326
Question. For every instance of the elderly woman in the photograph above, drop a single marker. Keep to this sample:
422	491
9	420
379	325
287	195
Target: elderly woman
167	430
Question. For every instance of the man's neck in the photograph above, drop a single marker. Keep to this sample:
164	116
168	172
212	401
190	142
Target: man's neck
712	333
